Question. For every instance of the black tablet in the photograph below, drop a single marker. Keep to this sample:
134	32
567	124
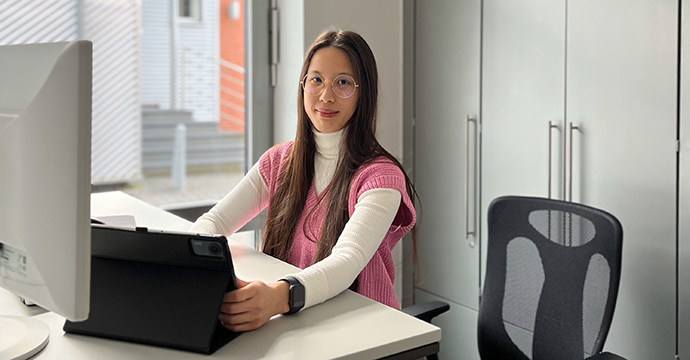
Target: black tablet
158	288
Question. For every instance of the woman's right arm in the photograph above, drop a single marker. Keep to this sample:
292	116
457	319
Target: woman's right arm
239	206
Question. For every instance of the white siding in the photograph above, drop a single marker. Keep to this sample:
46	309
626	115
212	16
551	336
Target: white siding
198	70
30	21
156	53
113	26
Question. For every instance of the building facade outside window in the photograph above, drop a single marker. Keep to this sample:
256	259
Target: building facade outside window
168	92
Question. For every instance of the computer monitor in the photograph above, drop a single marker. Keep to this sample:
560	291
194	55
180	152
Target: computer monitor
45	176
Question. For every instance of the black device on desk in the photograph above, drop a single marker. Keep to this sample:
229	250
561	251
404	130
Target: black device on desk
158	288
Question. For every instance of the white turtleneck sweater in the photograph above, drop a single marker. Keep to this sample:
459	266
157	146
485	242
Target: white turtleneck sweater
373	215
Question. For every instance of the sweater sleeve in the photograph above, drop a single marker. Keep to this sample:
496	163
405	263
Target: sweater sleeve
239	206
373	215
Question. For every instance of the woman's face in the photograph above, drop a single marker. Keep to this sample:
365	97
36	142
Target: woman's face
329	68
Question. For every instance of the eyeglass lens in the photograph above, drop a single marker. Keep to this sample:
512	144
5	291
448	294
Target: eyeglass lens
343	85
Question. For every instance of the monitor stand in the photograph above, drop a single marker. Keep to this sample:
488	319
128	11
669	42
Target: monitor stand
22	337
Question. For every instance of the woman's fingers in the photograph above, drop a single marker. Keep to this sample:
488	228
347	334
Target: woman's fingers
240	322
248	307
242	294
232	308
249	326
236	319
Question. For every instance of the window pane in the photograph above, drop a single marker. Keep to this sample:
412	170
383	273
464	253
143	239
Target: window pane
192	98
168	100
185	8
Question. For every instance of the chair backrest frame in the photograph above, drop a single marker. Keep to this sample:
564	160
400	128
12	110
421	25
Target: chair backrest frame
558	331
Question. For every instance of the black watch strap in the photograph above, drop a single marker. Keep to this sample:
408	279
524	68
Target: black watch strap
296	295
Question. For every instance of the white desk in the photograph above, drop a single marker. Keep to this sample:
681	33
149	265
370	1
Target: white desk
349	326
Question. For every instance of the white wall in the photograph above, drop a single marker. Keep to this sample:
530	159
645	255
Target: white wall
381	24
156	53
291	55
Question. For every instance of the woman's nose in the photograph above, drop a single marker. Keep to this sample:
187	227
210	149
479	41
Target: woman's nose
327	95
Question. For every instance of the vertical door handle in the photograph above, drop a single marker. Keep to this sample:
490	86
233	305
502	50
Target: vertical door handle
468	119
571	127
551	126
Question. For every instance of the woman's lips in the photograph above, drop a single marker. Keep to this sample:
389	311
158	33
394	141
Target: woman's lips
326	113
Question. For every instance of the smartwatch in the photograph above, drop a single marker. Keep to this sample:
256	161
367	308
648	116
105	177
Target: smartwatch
296	297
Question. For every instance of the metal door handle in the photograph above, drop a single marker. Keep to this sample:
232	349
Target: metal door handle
468	119
571	127
551	126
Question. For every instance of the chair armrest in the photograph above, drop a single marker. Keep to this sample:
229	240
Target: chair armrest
426	311
605	356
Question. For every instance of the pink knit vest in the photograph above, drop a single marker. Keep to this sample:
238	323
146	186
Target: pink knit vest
376	279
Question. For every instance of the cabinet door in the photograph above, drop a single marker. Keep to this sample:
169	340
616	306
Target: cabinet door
684	195
459	330
447	45
523	72
621	94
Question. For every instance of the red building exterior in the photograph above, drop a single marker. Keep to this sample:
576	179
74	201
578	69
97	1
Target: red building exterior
232	65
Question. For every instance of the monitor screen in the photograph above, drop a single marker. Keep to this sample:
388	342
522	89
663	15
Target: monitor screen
45	173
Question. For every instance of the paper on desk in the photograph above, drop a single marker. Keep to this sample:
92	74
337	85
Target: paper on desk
118	220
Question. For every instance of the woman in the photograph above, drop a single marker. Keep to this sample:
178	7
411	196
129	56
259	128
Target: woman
338	201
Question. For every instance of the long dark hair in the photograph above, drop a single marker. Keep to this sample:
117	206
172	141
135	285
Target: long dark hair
359	147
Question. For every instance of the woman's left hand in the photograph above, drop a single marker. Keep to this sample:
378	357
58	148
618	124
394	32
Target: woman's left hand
253	304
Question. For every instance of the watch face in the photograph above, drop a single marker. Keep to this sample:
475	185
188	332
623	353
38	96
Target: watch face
297	297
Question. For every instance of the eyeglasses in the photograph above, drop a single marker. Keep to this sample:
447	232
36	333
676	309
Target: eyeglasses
344	86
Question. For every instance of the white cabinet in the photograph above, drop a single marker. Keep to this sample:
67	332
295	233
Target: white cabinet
608	69
523	95
447	59
621	93
684	195
522	91
459	330
447	85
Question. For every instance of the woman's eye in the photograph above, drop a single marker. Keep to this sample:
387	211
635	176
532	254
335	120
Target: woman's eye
316	79
343	82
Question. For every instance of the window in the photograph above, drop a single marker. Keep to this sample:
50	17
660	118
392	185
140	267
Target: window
192	96
151	86
190	10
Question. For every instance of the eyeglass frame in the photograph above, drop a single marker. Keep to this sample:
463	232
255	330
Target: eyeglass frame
332	85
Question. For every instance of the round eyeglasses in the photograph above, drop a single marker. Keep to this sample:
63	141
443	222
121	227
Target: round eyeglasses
344	86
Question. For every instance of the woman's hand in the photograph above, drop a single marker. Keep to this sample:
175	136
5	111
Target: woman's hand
253	304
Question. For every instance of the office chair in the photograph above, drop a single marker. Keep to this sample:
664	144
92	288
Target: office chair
553	270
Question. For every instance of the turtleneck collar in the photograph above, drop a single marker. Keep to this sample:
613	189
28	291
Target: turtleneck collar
328	144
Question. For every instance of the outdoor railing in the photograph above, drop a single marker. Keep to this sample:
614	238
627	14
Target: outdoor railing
196	89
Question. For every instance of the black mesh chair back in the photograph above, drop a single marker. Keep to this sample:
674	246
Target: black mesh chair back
552	277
